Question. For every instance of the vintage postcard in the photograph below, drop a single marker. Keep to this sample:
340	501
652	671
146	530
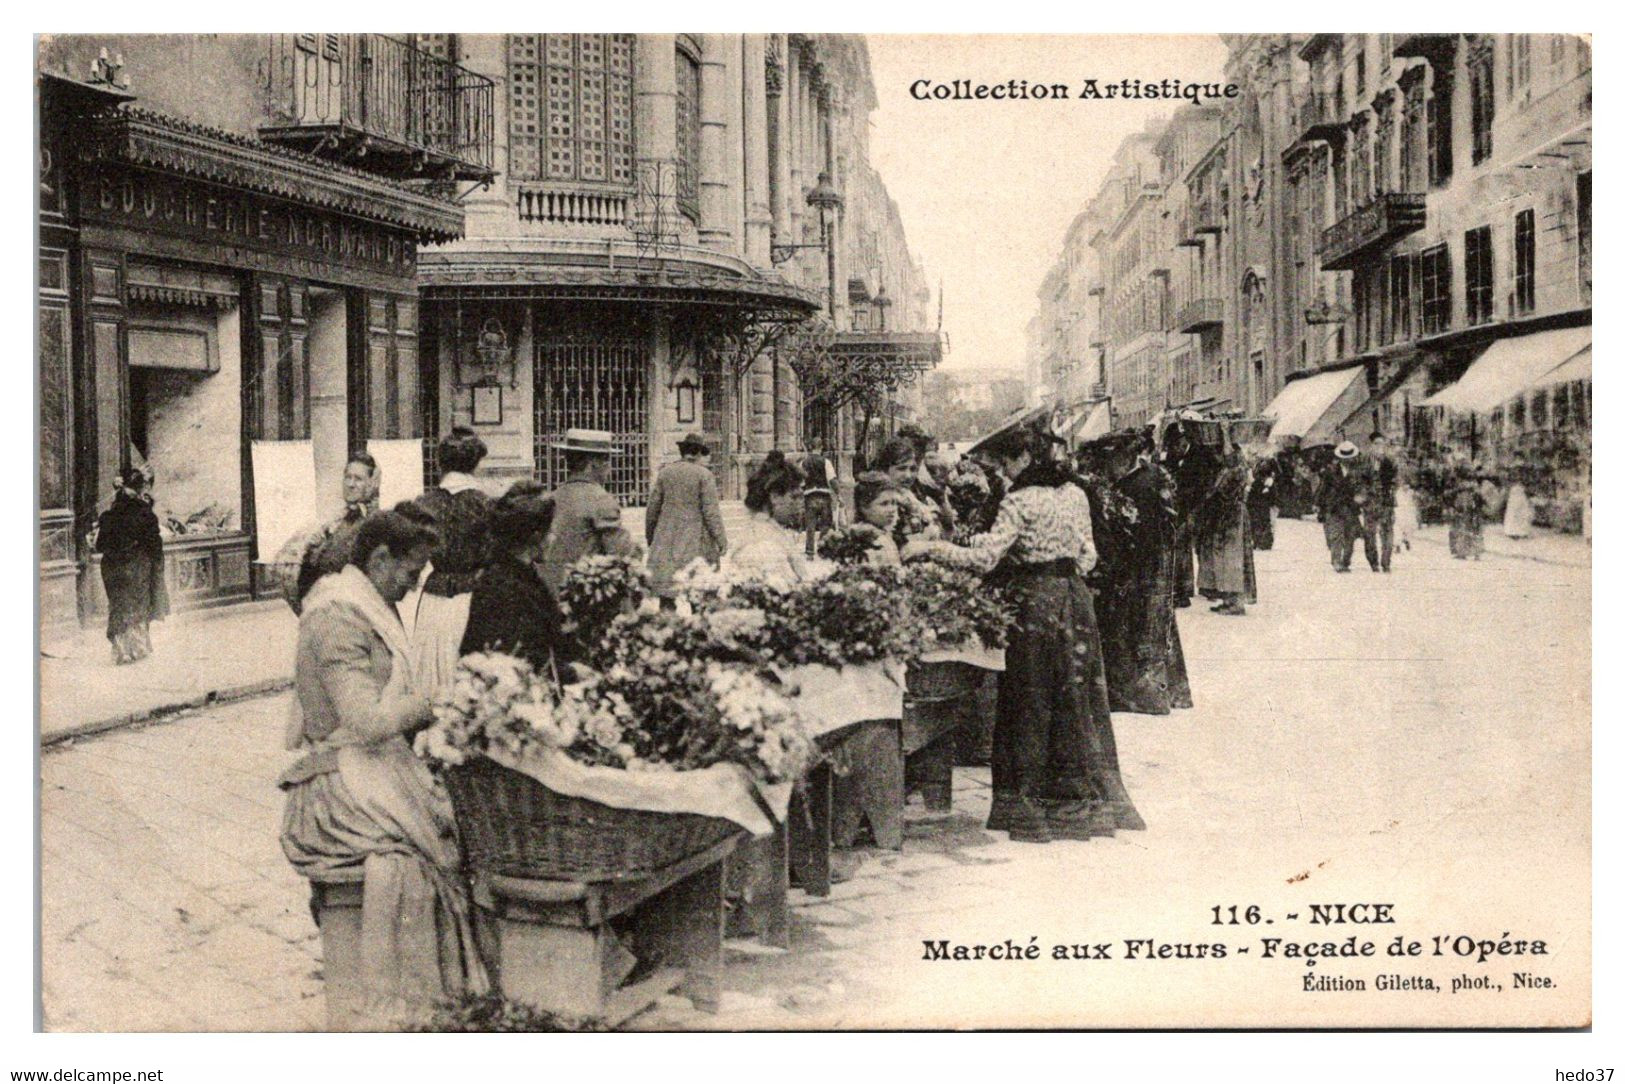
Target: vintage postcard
777	531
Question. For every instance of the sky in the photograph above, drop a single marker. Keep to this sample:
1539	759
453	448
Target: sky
988	188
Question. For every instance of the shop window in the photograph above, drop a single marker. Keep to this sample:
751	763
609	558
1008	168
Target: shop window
1523	274
186	413
1480	276
570	108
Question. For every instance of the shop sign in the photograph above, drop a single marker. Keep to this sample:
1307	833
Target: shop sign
154	201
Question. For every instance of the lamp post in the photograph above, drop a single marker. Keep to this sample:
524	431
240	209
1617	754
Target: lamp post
827	201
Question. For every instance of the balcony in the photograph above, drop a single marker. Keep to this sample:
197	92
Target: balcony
1201	217
379	103
1372	228
1199	314
1320	119
1438	50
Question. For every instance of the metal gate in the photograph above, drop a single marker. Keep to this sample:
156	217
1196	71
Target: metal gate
595	381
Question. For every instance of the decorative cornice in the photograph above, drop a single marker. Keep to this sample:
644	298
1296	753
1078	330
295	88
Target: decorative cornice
144	138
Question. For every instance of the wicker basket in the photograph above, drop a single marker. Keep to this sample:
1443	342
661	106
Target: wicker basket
513	826
930	682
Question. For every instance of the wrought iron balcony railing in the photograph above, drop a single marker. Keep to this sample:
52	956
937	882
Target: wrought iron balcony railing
1372	228
1199	314
379	103
1320	117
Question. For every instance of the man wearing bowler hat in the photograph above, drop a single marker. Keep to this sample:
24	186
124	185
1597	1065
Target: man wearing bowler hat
684	519
586	516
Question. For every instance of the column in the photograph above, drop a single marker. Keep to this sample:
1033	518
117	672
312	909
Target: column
781	142
654	90
757	107
491	211
716	229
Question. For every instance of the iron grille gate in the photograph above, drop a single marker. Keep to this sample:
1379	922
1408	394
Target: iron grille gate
595	381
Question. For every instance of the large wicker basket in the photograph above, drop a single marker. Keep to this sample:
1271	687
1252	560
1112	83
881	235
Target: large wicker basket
513	826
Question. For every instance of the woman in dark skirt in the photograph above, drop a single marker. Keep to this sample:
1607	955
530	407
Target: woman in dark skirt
1055	768
132	552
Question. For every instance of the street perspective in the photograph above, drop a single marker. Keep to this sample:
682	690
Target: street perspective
648	532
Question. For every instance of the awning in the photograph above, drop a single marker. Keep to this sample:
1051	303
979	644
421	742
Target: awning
1313	407
1024	416
1576	368
1509	368
1094	423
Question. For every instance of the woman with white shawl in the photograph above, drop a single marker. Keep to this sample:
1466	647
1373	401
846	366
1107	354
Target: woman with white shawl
359	799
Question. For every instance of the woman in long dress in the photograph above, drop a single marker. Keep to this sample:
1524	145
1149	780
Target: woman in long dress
359	799
1055	767
1519	520
132	549
1466	518
462	515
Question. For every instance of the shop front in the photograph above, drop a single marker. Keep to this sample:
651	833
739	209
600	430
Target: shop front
234	319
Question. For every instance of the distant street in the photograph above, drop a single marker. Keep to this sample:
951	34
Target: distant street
1408	738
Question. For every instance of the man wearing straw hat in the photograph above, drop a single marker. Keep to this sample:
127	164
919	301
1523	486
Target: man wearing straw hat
586	516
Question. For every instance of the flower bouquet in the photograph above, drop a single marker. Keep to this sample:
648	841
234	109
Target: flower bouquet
850	545
597	590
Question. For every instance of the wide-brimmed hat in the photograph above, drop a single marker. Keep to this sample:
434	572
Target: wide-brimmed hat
1346	450
691	443
600	441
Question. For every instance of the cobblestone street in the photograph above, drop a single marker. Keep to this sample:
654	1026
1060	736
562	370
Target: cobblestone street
1420	738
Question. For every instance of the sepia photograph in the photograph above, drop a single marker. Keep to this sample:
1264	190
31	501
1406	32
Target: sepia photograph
813	532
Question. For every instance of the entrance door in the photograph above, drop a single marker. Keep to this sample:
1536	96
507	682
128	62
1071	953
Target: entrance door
594	378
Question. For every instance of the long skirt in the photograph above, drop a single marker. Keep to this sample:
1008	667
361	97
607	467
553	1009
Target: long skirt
1054	739
382	813
1520	514
135	597
1223	560
1249	570
1258	515
1136	616
1466	534
1184	570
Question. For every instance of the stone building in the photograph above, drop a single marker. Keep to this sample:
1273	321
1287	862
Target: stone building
1136	260
648	250
262	252
227	292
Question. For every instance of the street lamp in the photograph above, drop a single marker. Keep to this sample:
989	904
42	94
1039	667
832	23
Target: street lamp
827	201
881	303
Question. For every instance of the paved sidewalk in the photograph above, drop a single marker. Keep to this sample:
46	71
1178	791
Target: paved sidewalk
199	657
1549	547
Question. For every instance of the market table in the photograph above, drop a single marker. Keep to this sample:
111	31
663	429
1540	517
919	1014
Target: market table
563	945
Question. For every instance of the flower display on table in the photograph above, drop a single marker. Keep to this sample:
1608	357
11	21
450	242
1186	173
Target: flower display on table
663	701
850	545
950	607
597	590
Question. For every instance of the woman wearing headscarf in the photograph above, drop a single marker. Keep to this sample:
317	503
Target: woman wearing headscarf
132	549
1055	768
359	799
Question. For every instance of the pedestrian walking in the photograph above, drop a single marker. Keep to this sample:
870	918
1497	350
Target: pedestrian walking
1519	521
1384	493
683	522
132	549
586	516
359	799
1262	497
1467	506
462	513
1343	495
1055	767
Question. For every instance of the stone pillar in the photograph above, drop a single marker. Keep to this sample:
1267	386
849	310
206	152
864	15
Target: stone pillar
758	215
716	230
491	211
654	90
781	145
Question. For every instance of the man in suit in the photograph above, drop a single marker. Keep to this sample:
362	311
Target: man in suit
684	519
1379	527
1344	495
586	516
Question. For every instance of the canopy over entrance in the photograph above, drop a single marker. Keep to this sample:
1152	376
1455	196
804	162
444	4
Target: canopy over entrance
1313	407
1511	367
